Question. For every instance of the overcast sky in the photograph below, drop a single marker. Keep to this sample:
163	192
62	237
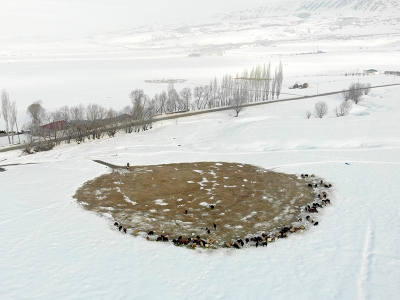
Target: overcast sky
33	18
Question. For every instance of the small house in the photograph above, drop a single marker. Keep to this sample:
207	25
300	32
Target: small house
371	72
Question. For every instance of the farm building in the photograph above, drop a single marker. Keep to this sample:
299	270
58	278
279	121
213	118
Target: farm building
371	72
396	73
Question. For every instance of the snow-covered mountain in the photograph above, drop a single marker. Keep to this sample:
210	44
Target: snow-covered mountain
364	8
277	22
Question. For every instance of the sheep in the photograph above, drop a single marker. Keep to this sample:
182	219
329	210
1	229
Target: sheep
312	210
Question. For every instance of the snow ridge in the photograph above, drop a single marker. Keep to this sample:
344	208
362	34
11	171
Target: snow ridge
290	7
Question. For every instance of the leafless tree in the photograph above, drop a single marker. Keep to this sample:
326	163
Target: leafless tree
67	131
321	108
6	112
200	96
267	81
173	100
56	126
273	85
186	96
14	121
366	88
308	114
279	80
78	125
143	109
238	101
346	95
95	114
127	118
112	122
36	112
343	109
356	92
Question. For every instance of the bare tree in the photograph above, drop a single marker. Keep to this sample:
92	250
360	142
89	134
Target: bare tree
173	100
127	118
95	115
366	88
199	95
66	117
36	111
6	112
144	109
267	81
14	121
321	108
186	96
343	109
346	95
273	84
237	102
308	114
112	121
78	126
356	92
279	80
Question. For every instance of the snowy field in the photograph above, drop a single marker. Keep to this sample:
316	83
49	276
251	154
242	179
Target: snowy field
51	248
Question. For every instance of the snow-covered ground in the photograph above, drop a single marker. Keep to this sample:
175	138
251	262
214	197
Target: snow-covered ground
52	248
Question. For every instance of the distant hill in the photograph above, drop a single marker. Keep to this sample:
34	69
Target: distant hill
291	7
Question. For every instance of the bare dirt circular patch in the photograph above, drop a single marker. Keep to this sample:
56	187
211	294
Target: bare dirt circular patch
187	199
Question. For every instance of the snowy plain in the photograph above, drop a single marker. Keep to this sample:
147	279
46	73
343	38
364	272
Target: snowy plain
51	248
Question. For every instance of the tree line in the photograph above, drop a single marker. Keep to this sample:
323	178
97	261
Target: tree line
81	123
